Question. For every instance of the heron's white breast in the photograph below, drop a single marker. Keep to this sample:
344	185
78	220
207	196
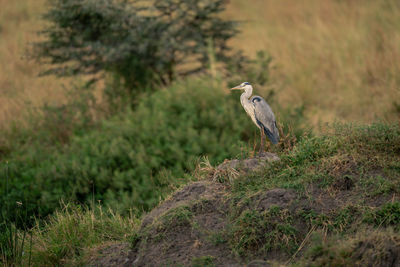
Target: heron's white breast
249	108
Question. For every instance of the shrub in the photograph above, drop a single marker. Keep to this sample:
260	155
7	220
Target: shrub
134	157
142	42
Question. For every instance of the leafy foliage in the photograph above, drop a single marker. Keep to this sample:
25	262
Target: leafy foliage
143	42
132	159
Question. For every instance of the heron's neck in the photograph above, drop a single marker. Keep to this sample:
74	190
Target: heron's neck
247	93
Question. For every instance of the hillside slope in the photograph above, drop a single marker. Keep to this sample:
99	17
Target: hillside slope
331	200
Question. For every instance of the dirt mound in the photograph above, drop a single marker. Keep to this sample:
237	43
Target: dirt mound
187	230
250	164
204	224
276	197
180	229
189	193
187	227
114	254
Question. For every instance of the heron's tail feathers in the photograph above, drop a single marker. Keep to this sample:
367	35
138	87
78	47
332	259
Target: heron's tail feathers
272	136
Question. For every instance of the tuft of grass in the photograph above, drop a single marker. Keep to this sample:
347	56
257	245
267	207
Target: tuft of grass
172	219
13	234
387	215
204	261
12	243
376	185
256	232
179	216
227	174
366	248
217	238
338	221
326	253
64	238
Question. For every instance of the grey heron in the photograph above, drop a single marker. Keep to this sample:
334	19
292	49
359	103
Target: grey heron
260	113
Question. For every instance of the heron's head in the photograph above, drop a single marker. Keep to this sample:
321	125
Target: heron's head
242	86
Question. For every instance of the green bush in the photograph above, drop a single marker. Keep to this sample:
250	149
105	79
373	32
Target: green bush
132	159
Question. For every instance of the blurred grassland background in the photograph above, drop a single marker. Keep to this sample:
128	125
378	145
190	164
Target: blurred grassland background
338	59
19	85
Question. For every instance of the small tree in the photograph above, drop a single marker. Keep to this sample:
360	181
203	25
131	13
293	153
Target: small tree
143	42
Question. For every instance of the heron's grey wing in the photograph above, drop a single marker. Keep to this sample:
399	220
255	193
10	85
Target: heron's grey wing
265	118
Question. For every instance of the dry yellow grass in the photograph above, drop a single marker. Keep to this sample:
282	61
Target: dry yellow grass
20	86
339	58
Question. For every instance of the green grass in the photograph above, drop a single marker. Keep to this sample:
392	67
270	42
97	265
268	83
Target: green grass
387	215
361	160
343	160
178	216
137	157
12	243
373	248
217	238
325	159
343	220
134	158
68	234
204	261
254	233
172	220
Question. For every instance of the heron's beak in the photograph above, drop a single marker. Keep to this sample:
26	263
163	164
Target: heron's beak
236	87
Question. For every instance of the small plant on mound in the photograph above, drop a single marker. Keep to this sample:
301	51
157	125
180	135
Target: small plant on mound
180	216
366	248
339	221
204	261
172	220
255	232
387	215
